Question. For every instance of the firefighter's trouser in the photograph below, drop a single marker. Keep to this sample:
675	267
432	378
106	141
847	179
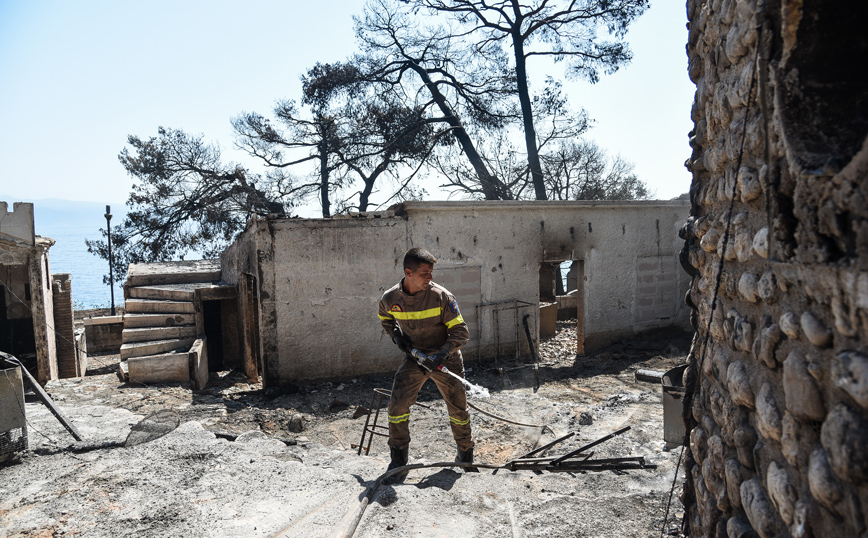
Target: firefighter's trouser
405	388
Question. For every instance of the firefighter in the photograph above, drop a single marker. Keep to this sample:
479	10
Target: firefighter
420	314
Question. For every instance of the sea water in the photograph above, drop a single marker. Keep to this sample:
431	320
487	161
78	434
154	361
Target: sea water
69	224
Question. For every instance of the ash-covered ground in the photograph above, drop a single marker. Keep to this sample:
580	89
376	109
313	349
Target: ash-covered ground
252	462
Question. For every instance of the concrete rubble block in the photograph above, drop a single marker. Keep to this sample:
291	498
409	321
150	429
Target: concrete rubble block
767	413
790	326
296	423
845	322
761	243
767	287
781	491
141	349
168	368
759	510
823	483
849	371
844	435
815	331
738	381
747	287
737	527
764	345
803	397
735	474
199	363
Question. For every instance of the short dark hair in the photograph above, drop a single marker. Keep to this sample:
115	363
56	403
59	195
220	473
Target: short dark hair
417	256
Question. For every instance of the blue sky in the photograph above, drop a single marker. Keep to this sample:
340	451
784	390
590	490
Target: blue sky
78	77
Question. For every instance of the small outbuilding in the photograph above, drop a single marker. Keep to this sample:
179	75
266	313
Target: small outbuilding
308	288
35	306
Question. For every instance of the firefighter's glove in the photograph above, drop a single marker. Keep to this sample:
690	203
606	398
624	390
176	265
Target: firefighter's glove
438	357
401	339
425	362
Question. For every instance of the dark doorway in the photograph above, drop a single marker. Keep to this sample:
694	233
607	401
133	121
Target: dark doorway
16	334
213	318
562	299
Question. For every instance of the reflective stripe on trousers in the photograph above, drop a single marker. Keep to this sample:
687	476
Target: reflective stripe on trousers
405	389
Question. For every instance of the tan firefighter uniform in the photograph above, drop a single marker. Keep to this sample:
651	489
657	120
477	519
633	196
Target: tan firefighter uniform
431	320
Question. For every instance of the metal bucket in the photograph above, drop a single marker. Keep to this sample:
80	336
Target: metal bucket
673	403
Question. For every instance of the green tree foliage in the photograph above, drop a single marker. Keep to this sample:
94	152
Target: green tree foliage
185	200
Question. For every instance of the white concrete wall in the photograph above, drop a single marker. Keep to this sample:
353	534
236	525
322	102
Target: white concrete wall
320	280
18	223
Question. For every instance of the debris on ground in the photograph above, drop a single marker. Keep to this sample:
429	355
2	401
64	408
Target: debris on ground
246	461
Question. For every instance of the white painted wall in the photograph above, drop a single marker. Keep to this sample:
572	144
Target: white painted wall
18	223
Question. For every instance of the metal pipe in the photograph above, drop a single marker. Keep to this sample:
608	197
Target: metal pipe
589	445
548	446
46	399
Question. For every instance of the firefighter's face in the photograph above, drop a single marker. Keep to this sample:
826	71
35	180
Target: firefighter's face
419	279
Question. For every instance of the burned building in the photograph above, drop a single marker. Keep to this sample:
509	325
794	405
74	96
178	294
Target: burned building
35	306
308	288
777	244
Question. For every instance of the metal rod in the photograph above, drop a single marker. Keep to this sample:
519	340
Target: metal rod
504	419
549	458
532	350
589	445
46	399
604	463
548	446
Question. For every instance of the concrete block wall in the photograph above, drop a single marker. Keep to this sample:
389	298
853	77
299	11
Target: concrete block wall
104	333
318	281
777	246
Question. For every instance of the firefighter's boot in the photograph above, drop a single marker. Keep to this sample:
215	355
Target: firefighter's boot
400	456
466	456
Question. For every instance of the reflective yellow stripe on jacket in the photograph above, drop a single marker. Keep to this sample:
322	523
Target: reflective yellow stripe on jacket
421	314
454	322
